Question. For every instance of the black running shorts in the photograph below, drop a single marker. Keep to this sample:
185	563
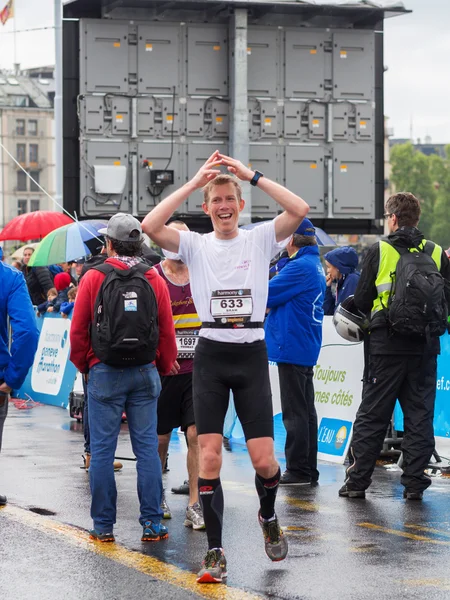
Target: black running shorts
221	367
175	407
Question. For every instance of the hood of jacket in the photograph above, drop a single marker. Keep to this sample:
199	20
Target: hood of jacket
406	237
345	259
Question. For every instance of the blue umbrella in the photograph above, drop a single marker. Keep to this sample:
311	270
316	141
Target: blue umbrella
68	243
323	239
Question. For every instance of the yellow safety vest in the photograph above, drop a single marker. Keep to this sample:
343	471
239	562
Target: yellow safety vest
386	271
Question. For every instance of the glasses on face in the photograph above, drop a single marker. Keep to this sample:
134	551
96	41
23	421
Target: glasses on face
387	215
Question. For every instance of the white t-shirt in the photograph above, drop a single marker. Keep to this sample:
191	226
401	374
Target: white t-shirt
230	278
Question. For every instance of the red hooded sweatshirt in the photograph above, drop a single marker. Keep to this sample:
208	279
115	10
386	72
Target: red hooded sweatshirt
81	353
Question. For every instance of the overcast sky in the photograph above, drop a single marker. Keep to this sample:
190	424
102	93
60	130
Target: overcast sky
417	54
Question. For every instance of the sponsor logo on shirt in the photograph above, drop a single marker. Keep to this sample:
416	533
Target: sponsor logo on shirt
245	265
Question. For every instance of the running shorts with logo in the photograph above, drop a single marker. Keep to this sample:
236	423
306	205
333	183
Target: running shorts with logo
221	367
175	405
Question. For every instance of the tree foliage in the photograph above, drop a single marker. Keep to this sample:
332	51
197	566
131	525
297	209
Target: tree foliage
428	178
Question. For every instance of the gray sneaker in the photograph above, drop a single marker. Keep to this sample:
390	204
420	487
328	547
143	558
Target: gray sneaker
194	517
275	543
214	567
165	507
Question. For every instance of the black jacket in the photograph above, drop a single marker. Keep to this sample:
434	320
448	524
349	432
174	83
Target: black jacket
380	340
39	281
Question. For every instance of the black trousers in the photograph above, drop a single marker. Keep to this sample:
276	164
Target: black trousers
300	419
411	380
3	413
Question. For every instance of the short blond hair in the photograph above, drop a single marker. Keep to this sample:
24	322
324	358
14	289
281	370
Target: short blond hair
222	179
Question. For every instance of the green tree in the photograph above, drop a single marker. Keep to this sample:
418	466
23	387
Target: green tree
440	230
413	172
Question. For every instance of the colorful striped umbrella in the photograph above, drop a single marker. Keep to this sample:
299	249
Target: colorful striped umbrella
68	243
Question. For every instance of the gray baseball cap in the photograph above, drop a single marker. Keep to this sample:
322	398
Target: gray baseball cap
123	227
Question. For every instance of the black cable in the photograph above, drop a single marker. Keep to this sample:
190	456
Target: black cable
172	131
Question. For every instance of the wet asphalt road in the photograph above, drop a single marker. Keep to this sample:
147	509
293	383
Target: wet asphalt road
380	548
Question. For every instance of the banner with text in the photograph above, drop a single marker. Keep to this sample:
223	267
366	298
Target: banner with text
337	385
51	378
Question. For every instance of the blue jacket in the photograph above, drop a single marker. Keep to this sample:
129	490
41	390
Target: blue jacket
294	324
345	287
345	259
15	302
67	307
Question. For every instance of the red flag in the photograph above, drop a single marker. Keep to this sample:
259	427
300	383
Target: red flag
7	12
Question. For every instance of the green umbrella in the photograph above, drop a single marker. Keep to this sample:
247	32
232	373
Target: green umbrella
67	243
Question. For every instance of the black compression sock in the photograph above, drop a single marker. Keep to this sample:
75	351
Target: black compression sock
267	492
210	494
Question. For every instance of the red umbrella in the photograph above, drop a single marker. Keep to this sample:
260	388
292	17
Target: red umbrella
34	225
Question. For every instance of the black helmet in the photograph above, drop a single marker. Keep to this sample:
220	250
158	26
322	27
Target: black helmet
350	323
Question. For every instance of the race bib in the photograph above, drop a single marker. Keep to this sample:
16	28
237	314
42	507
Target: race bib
186	343
231	306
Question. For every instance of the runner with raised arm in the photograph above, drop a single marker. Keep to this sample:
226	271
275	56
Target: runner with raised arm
229	282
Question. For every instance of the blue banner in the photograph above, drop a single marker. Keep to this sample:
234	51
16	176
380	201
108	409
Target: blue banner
442	406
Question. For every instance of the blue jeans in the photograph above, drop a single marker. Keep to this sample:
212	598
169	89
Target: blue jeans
86	432
112	391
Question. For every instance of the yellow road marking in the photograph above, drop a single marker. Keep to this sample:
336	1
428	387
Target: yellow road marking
442	584
309	506
411	536
429	530
293	528
135	560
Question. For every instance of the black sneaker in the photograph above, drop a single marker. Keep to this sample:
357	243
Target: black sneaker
3	500
182	489
412	495
346	492
214	567
290	479
275	543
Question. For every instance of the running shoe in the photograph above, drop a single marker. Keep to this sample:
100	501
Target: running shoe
346	492
214	567
165	507
289	478
99	536
153	532
275	543
182	489
194	517
408	495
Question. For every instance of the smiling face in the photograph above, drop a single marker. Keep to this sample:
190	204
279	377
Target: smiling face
223	207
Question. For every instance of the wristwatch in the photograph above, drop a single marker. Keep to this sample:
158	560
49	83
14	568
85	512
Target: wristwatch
256	178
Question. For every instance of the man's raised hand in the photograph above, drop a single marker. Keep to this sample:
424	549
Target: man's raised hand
235	167
207	171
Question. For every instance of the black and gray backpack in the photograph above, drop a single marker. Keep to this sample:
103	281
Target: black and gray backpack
417	305
124	332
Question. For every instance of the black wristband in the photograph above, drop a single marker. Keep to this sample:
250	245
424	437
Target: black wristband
256	177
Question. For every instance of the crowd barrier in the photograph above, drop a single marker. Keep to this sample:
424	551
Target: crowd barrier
337	384
52	376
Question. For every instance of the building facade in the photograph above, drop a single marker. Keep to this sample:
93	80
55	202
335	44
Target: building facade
27	133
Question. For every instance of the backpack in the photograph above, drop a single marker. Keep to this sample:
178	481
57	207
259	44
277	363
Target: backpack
417	306
124	332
